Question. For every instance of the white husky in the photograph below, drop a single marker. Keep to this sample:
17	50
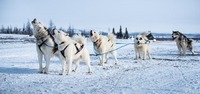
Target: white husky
45	45
70	51
142	47
102	45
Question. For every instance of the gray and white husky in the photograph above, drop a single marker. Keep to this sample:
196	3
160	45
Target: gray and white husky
149	36
183	43
45	45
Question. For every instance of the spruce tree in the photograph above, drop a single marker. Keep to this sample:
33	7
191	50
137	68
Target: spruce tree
113	31
126	36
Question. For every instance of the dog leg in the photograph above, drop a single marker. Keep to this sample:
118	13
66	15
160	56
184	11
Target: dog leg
69	66
148	52
63	60
136	54
40	56
103	59
77	65
106	57
184	50
144	55
100	59
47	59
86	58
192	52
179	48
115	56
89	67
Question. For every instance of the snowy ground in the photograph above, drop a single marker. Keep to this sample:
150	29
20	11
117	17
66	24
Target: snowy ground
167	73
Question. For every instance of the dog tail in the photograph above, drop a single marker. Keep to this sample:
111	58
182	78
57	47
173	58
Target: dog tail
80	39
111	37
190	44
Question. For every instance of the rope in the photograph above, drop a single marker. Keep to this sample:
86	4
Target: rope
98	54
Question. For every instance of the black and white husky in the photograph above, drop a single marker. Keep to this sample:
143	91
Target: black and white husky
149	36
45	45
71	50
183	43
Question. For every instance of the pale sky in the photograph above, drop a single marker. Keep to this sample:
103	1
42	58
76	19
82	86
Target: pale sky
137	15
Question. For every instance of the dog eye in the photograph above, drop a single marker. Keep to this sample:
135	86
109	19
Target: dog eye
136	38
140	38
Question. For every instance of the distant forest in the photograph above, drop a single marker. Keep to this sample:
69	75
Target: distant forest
27	30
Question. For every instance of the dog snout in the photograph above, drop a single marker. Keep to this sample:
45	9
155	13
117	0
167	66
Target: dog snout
53	31
91	33
34	21
138	42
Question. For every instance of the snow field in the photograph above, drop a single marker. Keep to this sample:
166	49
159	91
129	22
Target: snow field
166	73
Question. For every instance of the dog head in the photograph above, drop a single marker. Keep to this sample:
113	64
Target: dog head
139	40
38	25
59	36
39	30
149	36
94	36
175	34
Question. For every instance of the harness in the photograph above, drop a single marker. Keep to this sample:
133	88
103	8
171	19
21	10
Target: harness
77	49
42	40
96	46
96	43
63	51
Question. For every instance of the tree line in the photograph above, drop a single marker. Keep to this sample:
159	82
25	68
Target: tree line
28	30
120	34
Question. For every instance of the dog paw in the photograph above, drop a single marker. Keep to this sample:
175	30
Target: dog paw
101	64
40	72
73	70
89	72
60	74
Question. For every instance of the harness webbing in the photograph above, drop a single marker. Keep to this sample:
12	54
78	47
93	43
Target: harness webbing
63	51
78	49
39	46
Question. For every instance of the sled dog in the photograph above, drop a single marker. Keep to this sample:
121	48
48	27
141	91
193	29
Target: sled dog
103	45
183	43
45	45
149	36
70	50
141	45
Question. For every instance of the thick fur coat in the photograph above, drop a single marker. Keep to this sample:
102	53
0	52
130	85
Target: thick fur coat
103	45
45	45
183	43
70	50
141	45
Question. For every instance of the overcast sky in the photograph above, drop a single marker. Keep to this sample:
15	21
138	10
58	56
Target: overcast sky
136	15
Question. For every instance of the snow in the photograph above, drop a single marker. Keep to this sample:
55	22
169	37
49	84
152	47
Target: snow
167	73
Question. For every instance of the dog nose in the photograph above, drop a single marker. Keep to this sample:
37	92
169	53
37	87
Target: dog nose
91	33
138	42
34	20
53	31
